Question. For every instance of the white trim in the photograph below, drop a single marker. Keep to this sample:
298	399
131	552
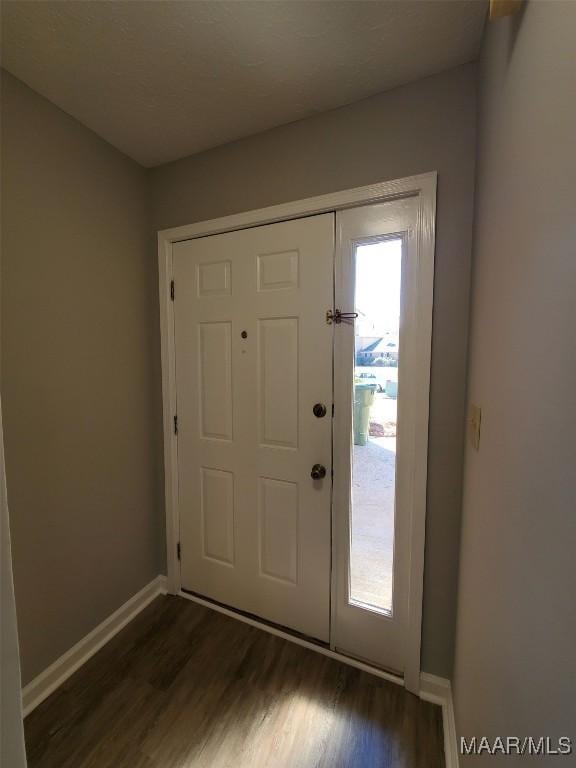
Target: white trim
60	670
435	689
438	690
348	198
424	187
169	411
426	246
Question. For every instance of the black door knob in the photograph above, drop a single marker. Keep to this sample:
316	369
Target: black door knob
319	410
318	472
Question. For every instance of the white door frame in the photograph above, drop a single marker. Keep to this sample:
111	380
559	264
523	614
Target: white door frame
423	187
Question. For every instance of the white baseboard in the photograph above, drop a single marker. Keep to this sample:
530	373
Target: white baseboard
60	670
438	690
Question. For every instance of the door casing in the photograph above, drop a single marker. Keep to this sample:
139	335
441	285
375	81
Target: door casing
421	187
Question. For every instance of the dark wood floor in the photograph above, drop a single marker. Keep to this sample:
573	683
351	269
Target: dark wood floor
184	686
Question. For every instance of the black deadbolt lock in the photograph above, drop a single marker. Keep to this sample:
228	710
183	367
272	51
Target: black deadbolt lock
319	410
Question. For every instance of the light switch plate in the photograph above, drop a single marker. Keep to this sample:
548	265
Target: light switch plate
474	425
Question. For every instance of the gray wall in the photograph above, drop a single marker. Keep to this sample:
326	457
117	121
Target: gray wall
516	639
78	366
425	126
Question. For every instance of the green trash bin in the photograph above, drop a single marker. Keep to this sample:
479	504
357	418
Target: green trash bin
363	399
392	388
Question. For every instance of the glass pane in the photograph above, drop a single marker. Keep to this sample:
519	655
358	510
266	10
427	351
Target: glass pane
377	302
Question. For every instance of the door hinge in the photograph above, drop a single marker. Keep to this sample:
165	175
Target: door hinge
172	289
175	425
178	550
336	317
332	410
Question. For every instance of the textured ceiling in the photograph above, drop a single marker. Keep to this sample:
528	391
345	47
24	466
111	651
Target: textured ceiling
161	79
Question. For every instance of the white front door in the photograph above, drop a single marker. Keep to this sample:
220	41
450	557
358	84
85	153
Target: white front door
253	358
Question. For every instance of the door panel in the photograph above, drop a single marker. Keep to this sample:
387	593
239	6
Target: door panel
217	507
374	478
278	391
215	369
253	356
279	529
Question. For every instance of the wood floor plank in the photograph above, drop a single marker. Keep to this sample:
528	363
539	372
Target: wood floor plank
183	686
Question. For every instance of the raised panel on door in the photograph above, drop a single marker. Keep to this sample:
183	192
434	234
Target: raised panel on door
278	529
217	508
214	279
253	356
278	381
215	371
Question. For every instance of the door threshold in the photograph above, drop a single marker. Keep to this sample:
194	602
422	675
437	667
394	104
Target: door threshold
291	636
254	618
